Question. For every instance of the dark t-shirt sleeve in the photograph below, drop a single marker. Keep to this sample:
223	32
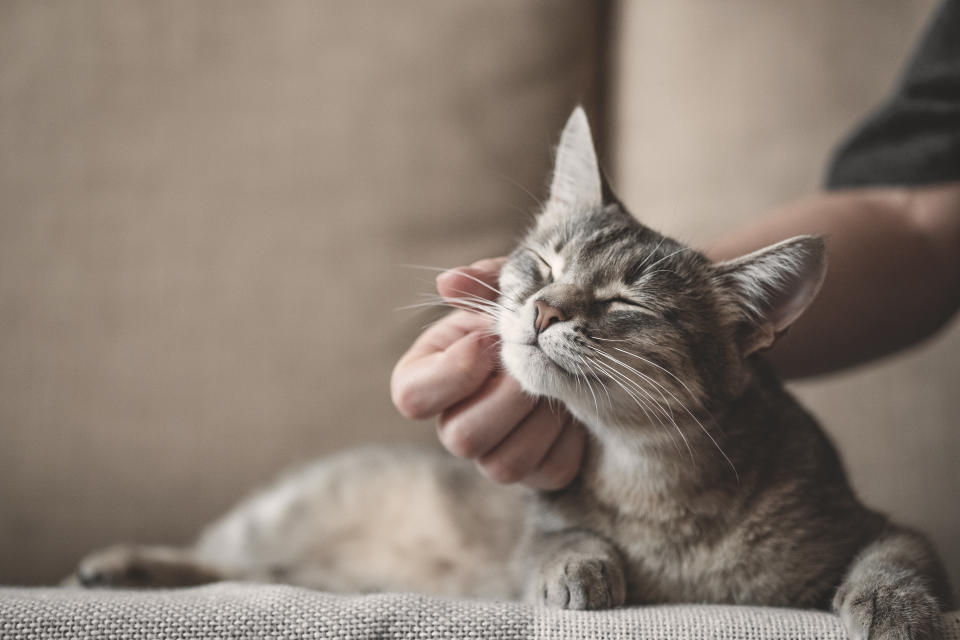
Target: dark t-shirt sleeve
914	137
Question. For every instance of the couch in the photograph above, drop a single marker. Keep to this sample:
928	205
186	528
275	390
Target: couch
205	209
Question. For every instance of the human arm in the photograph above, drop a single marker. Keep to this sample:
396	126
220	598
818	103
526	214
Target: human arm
893	276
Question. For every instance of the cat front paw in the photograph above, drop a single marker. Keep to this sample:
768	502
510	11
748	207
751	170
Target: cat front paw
904	610
574	581
117	566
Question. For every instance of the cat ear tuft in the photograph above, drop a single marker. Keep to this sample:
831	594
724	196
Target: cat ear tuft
577	183
772	287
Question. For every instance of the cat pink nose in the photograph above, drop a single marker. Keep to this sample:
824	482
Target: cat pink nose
546	315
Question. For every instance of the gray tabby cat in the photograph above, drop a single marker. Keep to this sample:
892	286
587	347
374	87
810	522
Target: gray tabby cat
704	481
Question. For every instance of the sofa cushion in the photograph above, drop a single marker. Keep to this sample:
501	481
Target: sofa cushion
231	610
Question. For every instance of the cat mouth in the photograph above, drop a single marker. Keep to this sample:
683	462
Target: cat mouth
543	358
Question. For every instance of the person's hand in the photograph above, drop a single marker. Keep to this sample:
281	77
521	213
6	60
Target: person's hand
453	371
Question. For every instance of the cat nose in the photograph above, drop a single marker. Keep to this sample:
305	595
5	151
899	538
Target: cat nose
546	315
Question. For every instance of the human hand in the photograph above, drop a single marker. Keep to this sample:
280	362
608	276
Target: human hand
453	371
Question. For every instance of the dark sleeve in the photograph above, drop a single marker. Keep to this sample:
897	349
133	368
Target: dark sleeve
914	137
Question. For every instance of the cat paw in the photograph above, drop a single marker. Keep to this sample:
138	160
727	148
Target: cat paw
117	566
581	582
896	611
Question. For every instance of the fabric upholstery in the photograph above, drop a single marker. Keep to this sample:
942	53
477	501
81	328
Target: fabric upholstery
204	213
236	611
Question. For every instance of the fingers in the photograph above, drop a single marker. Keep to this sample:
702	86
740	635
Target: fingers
475	426
448	363
450	360
451	371
443	334
479	279
513	437
562	462
522	450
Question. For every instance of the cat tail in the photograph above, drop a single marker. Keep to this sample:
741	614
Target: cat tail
896	587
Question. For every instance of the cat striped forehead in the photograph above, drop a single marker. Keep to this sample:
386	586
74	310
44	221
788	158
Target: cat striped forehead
605	248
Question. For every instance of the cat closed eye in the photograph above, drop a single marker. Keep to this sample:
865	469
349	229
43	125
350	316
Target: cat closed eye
543	261
622	300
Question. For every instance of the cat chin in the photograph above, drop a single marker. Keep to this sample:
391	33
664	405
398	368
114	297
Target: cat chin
536	373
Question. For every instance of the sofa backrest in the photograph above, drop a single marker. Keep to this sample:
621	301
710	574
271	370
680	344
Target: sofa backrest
204	210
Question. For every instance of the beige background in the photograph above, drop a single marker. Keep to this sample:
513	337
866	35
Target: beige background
203	207
203	210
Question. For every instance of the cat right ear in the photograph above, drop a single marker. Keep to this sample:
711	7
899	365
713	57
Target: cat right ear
577	183
772	287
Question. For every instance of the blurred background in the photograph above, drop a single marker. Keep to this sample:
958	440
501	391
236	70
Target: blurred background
204	208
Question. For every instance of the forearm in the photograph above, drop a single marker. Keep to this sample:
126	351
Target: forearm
893	279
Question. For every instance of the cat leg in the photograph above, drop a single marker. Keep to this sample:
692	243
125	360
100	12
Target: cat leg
135	566
894	589
574	569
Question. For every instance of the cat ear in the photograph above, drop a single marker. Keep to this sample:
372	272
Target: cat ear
772	287
577	182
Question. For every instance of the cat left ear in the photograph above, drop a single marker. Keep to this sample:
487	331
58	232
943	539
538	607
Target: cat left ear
577	182
772	287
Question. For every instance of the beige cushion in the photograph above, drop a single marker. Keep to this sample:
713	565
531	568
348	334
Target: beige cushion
238	611
203	210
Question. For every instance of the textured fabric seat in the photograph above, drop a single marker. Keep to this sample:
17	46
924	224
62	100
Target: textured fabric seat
239	611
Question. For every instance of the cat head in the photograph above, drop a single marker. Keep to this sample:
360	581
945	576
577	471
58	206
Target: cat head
629	327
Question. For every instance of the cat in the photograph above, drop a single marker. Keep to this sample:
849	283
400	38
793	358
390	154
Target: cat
703	479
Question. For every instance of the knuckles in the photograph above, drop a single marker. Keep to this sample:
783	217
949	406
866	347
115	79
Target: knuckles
504	469
460	438
418	393
407	400
556	473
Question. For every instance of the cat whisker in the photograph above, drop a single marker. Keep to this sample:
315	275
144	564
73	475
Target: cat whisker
652	253
614	375
657	386
667	413
455	270
586	373
599	382
529	215
523	189
647	274
682	405
692	395
668	256
449	303
487	301
644	407
455	303
468	298
596	405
